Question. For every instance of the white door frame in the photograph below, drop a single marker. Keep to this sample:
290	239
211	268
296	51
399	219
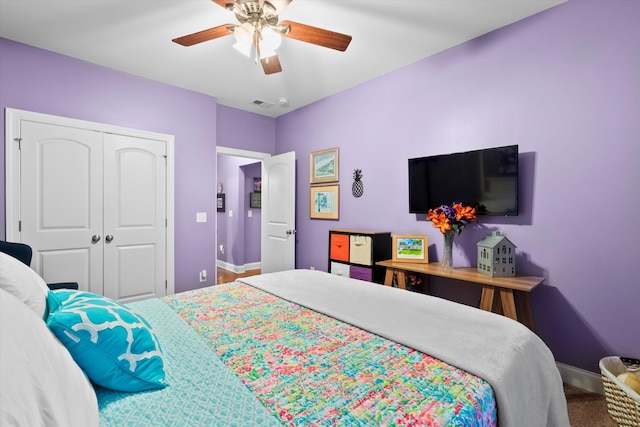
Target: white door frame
12	172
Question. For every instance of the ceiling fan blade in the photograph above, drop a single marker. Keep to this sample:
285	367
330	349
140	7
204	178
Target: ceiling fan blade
223	3
317	36
205	35
271	65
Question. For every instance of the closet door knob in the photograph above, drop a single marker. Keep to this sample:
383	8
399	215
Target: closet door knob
95	238
108	238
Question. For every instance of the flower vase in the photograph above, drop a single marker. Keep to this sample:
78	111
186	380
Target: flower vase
447	254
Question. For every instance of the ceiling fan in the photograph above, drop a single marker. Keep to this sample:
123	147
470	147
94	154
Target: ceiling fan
259	29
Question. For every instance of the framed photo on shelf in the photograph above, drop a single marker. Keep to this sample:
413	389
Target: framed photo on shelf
410	248
324	166
324	202
220	202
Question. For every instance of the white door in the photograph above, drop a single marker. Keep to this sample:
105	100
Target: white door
134	217
61	202
278	244
93	208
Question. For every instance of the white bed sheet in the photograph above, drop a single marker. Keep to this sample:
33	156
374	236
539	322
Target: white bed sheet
519	366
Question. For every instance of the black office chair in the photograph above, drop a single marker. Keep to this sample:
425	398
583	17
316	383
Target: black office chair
23	253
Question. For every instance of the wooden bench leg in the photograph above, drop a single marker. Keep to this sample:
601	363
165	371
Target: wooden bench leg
508	303
486	300
402	280
400	277
525	310
388	277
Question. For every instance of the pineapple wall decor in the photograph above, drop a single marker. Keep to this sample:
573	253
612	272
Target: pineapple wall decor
358	186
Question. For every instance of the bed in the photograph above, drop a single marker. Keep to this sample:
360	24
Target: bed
304	348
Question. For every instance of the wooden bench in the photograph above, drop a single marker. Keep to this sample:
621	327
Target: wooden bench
501	302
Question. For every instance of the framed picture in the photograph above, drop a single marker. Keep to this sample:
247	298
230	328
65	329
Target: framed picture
257	184
255	200
324	202
220	202
410	248
324	166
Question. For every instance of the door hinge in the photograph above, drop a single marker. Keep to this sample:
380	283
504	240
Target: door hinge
20	226
166	285
166	223
19	141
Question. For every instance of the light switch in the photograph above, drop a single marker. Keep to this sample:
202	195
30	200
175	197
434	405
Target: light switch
249	214
201	217
230	213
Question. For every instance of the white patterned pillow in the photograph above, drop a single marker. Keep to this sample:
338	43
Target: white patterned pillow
113	345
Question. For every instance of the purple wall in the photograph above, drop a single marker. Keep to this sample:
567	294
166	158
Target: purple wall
565	86
44	82
245	130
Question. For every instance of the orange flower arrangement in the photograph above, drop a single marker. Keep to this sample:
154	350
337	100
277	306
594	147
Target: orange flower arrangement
454	217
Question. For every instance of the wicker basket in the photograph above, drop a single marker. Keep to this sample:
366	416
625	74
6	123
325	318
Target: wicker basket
623	403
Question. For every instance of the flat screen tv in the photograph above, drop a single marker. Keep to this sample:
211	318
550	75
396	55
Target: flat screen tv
485	179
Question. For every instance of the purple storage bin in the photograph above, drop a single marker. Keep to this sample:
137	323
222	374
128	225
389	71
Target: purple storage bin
361	273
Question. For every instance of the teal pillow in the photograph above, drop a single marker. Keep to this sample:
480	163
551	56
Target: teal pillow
114	346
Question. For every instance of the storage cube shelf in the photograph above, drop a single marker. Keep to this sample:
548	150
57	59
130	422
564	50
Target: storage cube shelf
354	253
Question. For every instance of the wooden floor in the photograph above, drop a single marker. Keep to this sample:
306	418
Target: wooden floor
226	276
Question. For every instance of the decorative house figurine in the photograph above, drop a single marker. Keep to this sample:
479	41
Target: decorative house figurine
496	256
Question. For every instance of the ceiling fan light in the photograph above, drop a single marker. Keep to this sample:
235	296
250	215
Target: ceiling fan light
244	33
270	40
243	48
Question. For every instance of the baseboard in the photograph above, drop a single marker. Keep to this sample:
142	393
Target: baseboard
227	266
253	266
238	268
586	380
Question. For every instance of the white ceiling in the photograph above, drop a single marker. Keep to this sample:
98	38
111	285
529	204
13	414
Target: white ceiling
135	36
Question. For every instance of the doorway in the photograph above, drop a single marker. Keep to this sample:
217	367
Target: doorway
278	202
238	216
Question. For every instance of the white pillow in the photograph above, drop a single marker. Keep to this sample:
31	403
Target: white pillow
40	384
21	281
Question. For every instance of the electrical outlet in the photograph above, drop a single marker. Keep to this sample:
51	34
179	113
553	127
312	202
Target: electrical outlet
312	268
203	276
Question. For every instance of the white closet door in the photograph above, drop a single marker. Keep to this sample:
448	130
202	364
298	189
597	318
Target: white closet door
134	217
61	174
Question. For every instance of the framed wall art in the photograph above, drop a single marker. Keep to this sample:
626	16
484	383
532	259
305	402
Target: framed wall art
324	202
255	199
410	248
220	202
324	166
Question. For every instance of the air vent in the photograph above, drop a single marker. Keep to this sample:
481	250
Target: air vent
261	103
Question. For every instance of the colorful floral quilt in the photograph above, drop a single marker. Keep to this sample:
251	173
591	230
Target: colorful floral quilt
313	370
